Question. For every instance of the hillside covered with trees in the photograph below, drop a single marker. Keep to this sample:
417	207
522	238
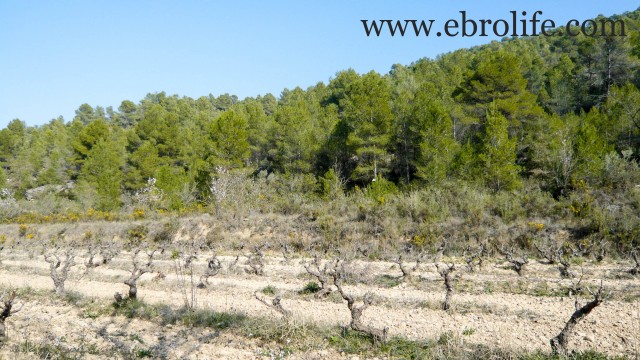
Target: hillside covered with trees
532	130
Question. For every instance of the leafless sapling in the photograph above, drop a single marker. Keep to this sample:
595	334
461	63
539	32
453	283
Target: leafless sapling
356	311
183	266
8	309
560	342
518	263
60	262
274	304
446	272
321	273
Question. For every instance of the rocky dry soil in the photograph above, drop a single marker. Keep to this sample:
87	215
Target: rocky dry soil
493	306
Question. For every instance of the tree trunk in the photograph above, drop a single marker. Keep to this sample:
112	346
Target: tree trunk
560	342
59	285
133	289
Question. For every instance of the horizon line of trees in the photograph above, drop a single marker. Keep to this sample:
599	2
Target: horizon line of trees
561	111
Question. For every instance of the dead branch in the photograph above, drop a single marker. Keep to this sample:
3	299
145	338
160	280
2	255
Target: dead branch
274	304
356	311
560	342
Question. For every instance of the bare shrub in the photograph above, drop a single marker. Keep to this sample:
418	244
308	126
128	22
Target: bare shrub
446	272
560	342
557	254
518	263
255	260
407	270
564	267
60	262
549	251
274	304
474	257
139	267
322	274
183	266
99	252
213	268
356	311
8	309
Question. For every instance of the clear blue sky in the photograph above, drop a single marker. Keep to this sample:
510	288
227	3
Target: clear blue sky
56	55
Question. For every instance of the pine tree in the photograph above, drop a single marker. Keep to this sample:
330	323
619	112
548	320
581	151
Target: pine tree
496	154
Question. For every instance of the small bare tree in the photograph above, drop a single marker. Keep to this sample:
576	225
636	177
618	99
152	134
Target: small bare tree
139	267
518	263
356	311
8	309
446	272
474	257
60	262
407	270
213	268
560	342
99	253
274	304
564	267
320	273
255	260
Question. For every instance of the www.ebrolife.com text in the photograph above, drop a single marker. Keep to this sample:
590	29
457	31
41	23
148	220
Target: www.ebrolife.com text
518	24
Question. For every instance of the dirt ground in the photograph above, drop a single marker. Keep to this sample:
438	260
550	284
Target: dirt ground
493	306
